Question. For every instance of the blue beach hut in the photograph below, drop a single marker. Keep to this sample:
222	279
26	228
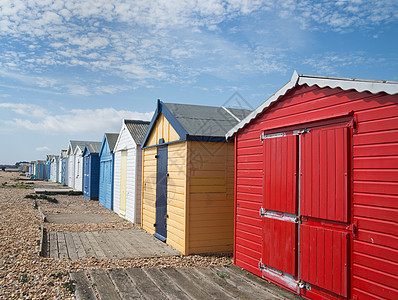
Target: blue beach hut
107	170
91	170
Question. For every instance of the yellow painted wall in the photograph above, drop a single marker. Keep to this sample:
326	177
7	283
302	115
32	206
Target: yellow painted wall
148	207
210	205
162	129
176	195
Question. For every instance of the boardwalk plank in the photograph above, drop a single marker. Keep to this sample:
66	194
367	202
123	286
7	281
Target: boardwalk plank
62	249
187	285
131	250
103	284
81	253
83	290
52	238
70	245
104	246
124	285
228	286
87	245
167	286
96	247
144	284
243	284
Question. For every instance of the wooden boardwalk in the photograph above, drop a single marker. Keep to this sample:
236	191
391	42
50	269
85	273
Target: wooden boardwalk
228	282
113	244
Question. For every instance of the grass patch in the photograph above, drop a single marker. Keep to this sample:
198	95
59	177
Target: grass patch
222	275
41	197
24	278
70	286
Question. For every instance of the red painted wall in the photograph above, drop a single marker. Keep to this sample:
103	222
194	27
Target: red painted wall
374	174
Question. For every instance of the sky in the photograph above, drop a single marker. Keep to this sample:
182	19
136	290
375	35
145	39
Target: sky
72	70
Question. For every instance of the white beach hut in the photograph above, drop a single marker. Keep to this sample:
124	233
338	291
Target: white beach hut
128	170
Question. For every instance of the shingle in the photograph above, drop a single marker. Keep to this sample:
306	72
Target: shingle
137	129
206	120
112	139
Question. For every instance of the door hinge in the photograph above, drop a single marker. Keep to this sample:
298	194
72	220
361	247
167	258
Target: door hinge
301	131
353	228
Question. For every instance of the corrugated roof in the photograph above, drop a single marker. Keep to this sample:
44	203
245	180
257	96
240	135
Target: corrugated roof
137	129
209	121
360	85
112	139
94	147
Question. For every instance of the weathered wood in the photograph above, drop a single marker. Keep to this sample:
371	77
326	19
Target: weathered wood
114	239
70	244
131	250
96	247
276	290
243	284
113	248
42	245
146	287
62	249
104	246
52	237
123	284
87	245
226	285
103	284
212	288
189	287
83	290
168	287
79	246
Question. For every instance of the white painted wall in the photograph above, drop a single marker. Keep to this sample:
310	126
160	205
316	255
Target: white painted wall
133	204
59	169
78	169
71	171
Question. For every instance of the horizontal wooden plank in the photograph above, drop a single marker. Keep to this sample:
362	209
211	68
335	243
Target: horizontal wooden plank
209	235
389	149
378	137
383	213
390	201
378	125
207	181
250	158
211	204
250	197
214	211
383	252
211	197
376	175
377	238
388	188
244	237
208	189
376	263
372	287
387	162
378	225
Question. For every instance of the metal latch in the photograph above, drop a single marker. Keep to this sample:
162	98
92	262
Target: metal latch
353	228
304	285
262	212
264	136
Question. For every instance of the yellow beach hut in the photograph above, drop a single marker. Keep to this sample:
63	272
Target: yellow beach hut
188	177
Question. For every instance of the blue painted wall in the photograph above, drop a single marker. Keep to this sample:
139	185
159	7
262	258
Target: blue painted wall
106	176
63	171
91	176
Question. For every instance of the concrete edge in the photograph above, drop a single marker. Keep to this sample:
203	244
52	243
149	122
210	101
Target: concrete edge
42	215
42	235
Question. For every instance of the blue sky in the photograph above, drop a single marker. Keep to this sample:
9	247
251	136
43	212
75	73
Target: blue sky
73	69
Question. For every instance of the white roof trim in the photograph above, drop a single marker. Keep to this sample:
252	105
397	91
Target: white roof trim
360	85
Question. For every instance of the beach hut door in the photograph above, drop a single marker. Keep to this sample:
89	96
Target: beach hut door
86	176
161	194
123	182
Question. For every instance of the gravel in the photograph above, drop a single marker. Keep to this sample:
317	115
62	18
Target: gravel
25	275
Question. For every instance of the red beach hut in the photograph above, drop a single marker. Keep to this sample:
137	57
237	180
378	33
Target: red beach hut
316	188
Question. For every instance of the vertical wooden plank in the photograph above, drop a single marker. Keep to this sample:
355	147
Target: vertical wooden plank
329	247
316	173
320	257
272	171
323	174
340	184
283	174
331	197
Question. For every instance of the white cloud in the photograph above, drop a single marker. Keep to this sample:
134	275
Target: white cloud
79	121
42	149
25	109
